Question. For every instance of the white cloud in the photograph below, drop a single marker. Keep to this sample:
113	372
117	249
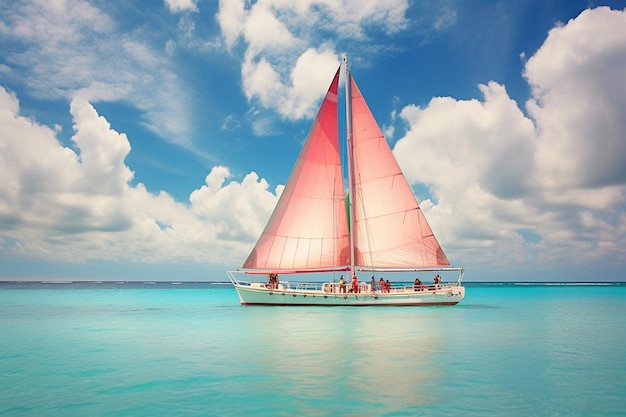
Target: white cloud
445	20
268	32
561	175
176	6
231	17
61	204
240	209
493	138
286	64
579	99
74	48
294	100
474	156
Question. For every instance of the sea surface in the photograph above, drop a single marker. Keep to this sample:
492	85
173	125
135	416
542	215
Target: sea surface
190	349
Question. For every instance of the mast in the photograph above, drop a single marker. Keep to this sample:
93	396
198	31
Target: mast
350	155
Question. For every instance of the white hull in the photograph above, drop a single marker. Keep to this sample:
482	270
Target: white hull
259	295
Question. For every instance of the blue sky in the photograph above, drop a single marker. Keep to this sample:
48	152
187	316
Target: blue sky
149	140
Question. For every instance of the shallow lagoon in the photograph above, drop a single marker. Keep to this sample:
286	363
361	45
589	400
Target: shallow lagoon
134	349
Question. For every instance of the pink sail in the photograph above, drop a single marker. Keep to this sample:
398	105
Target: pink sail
308	228
390	228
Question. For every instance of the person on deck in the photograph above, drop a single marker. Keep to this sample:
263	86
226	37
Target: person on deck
373	284
417	285
387	286
342	284
437	279
269	281
355	284
381	284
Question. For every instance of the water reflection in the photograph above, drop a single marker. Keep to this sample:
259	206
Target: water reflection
375	358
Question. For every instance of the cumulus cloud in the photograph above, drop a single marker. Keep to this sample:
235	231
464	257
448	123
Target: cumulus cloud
220	203
497	175
579	98
493	137
75	204
307	79
284	57
475	157
181	5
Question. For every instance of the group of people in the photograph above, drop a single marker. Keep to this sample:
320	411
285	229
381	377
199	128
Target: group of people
384	286
354	284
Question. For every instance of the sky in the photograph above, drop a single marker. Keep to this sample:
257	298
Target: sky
150	140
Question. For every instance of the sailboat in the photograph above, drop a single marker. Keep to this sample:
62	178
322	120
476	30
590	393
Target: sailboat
378	228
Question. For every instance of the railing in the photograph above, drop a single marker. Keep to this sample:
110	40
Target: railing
336	288
431	287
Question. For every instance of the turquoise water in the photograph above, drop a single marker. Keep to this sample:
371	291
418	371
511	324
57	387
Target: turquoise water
192	350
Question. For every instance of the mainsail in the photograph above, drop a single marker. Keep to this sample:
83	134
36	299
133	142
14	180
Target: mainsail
390	228
308	229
